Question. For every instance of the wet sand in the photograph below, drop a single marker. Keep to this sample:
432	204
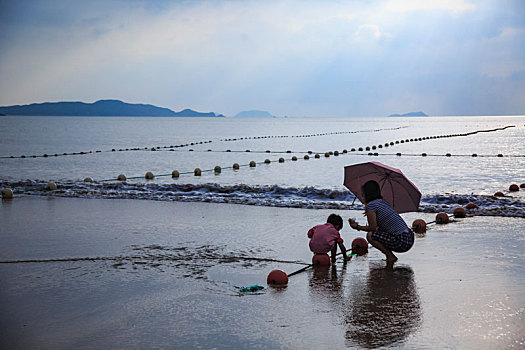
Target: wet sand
89	273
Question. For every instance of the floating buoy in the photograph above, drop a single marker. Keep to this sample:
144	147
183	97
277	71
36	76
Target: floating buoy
359	246
336	153
327	154
175	173
277	277
474	155
471	206
419	226
217	169
294	158
51	186
423	154
121	177
252	164
281	160
522	185
499	194
367	148
7	193
321	259
514	188
267	161
500	155
448	155
442	218
197	172
149	175
360	149
235	166
317	156
306	157
88	179
460	212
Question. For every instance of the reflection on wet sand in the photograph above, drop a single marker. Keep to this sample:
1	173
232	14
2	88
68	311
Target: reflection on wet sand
379	309
386	310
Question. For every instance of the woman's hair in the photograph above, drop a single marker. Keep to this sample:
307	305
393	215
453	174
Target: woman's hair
335	220
371	191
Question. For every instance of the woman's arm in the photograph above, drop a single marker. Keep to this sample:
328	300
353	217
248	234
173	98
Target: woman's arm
372	222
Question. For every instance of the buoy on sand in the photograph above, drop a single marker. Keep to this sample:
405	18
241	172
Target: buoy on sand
359	246
419	226
321	259
442	218
460	212
7	193
277	277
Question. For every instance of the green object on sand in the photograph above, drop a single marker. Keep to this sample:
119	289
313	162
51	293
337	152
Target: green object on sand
249	289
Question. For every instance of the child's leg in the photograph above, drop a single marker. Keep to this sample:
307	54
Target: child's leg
389	255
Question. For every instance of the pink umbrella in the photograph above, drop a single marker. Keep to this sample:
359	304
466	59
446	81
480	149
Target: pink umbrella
396	189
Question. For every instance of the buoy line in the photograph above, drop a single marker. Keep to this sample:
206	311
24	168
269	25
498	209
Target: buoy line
172	147
148	257
311	135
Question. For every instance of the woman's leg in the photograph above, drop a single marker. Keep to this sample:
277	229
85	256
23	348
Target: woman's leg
390	257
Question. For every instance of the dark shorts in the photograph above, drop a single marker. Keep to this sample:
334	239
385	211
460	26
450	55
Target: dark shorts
398	243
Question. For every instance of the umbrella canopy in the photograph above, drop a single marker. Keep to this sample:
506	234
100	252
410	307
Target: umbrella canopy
396	189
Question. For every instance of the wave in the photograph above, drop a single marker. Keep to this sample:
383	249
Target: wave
308	197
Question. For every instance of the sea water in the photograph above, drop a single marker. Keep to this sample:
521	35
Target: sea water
452	160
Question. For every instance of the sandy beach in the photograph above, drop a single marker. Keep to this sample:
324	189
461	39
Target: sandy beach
90	273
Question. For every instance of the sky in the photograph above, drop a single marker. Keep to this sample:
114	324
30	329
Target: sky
290	58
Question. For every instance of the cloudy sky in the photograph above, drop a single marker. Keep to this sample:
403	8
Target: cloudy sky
295	58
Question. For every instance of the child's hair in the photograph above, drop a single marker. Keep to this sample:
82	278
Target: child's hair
335	220
371	191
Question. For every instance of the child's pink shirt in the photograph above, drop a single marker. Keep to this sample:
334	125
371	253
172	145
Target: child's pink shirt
323	238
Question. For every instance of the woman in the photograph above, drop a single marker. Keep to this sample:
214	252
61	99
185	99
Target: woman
387	231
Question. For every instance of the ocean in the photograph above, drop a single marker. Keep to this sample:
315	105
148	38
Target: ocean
452	160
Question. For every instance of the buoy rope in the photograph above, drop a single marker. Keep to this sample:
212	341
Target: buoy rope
172	147
138	257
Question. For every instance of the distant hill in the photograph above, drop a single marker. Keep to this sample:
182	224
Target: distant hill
103	108
254	114
411	114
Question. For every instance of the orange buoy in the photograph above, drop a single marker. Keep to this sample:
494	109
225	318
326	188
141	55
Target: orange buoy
419	226
321	259
359	246
499	194
514	188
471	206
442	218
460	212
277	277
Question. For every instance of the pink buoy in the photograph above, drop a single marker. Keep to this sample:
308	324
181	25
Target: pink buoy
277	277
359	246
419	226
321	259
514	188
460	212
442	218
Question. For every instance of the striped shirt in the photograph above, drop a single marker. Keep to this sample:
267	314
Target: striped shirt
387	218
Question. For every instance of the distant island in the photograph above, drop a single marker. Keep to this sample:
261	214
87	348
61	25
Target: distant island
254	114
411	114
102	108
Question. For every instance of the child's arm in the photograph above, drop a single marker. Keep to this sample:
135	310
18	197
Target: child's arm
343	249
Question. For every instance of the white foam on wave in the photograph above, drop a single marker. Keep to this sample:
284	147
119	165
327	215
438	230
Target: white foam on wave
276	196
